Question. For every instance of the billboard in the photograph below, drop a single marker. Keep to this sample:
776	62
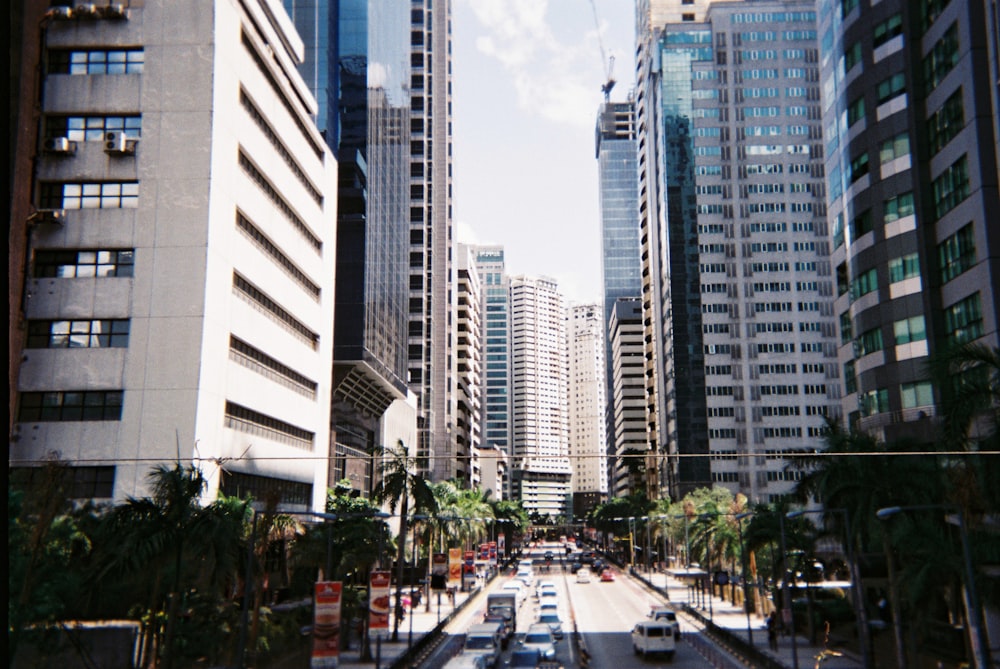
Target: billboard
454	567
378	603
326	625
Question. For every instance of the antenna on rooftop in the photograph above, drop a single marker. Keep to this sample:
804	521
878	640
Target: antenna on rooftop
609	81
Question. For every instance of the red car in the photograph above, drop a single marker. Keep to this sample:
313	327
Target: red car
607	575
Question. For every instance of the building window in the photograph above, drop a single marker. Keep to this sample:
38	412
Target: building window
92	128
963	321
891	87
852	56
874	402
855	111
78	334
897	147
909	330
886	30
904	267
951	187
859	167
942	58
247	420
76	482
846	328
238	484
850	377
861	225
70	405
898	207
946	122
919	394
957	253
930	10
97	61
123	195
865	283
69	264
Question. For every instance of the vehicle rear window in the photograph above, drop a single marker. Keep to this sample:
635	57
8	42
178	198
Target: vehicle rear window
478	642
654	631
537	638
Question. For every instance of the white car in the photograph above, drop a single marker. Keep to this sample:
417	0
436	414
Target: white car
539	637
583	576
518	588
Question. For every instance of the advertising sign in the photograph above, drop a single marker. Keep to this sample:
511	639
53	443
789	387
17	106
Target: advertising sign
326	625
484	552
378	603
493	552
454	567
439	571
501	550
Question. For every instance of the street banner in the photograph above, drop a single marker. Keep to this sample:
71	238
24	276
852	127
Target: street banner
378	604
493	552
501	549
326	625
439	571
454	567
484	552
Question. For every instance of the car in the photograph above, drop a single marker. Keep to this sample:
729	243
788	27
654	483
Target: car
485	639
506	629
607	576
548	595
551	619
527	658
666	614
583	576
469	661
653	636
539	637
575	566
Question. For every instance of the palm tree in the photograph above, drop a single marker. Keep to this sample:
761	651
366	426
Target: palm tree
399	482
171	535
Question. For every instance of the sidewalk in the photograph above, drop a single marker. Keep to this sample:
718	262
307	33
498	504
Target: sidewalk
734	619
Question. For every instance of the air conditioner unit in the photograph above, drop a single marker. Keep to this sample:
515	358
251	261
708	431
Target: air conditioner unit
86	12
117	143
60	145
114	11
59	13
57	216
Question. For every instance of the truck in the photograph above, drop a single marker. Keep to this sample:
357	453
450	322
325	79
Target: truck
505	604
485	639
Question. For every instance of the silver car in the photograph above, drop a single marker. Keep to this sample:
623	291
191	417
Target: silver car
551	619
539	637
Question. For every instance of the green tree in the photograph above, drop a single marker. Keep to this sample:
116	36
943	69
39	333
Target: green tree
398	482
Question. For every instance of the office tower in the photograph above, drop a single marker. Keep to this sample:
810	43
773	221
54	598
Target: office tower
496	357
587	405
431	307
910	111
621	267
179	286
538	382
360	67
738	88
628	441
468	389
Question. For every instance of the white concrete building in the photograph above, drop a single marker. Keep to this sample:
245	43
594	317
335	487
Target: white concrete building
628	395
587	394
539	368
180	290
468	386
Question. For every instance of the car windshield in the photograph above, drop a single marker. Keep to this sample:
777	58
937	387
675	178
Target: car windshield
537	637
548	618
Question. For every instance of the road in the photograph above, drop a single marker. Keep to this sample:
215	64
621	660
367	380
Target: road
604	613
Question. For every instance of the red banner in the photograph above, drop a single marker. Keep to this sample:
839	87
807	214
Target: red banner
326	625
454	567
378	603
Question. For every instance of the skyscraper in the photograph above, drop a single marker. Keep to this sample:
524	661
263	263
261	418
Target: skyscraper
493	279
179	289
910	111
432	318
586	406
468	382
628	441
538	383
361	69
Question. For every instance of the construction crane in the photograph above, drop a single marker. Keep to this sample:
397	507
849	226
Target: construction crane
609	81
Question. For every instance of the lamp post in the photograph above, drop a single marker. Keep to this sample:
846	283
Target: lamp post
980	651
858	596
786	601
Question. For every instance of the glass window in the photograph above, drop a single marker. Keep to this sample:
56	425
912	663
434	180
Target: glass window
861	225
897	147
90	195
957	253
97	61
83	263
888	29
846	328
850	377
909	330
898	207
874	402
942	58
852	56
891	87
904	267
78	334
865	283
951	187
946	122
90	405
855	111
919	394
963	321
859	167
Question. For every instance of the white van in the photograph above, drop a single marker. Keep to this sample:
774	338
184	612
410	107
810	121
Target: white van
653	636
485	639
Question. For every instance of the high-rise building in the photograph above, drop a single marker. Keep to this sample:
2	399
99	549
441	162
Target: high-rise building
360	66
736	96
179	284
621	266
586	407
494	284
431	301
628	441
468	382
538	382
911	117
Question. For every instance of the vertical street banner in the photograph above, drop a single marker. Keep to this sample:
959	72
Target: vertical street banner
454	567
501	546
326	625
439	571
378	604
493	552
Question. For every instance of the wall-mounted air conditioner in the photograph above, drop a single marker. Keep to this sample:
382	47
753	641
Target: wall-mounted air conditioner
86	12
60	145
57	216
114	11
59	13
116	143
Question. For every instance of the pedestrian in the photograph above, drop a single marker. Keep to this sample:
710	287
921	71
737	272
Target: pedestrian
772	631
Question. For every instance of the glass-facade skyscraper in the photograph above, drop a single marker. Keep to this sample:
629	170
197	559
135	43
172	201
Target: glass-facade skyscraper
494	286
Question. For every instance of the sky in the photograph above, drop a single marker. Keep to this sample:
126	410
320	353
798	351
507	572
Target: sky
527	77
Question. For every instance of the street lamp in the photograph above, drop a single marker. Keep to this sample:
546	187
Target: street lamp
859	608
980	652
